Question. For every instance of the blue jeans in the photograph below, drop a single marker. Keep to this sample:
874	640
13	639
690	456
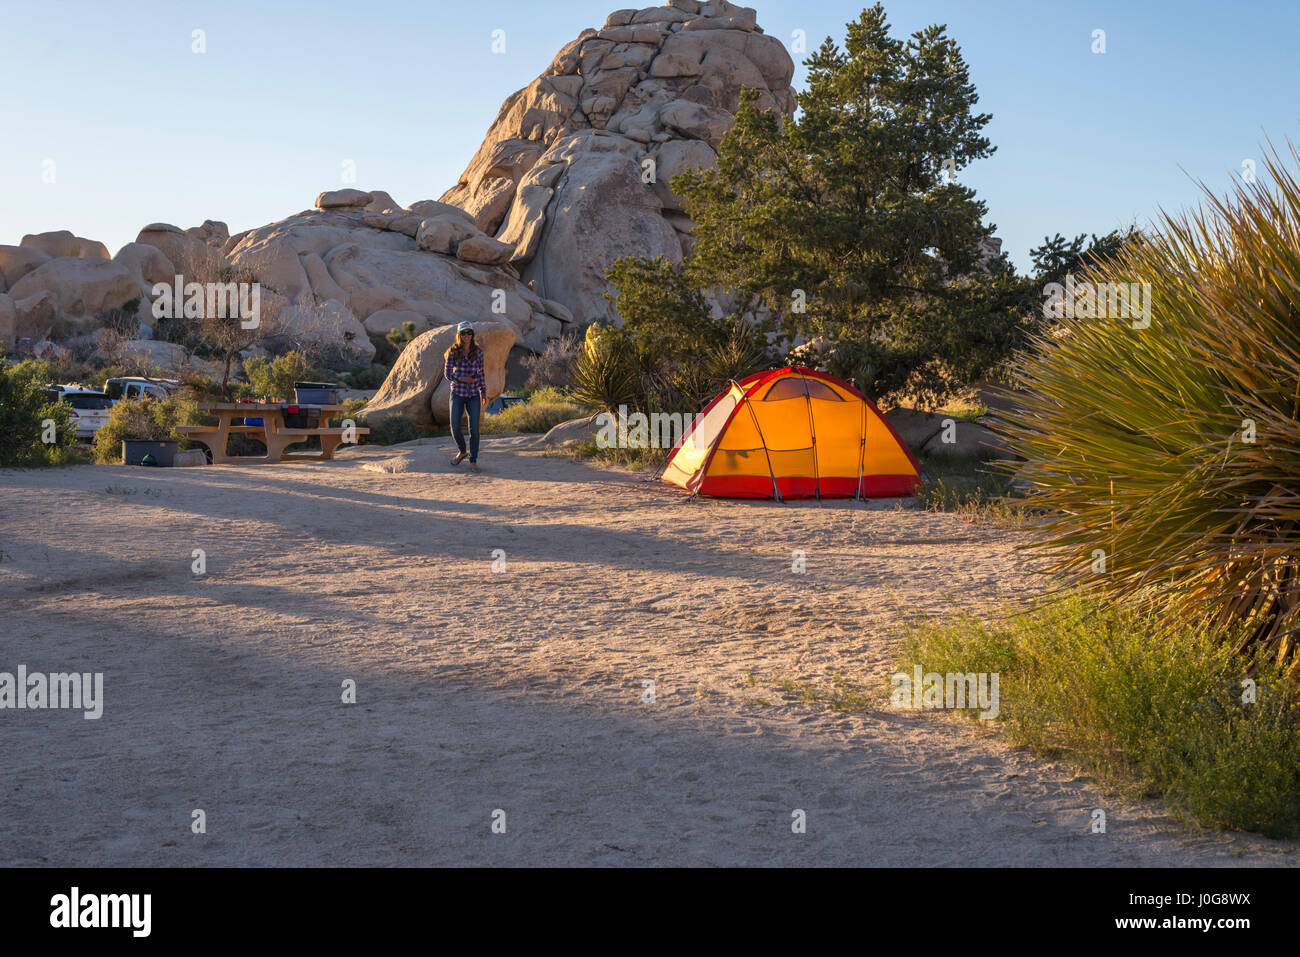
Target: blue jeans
461	404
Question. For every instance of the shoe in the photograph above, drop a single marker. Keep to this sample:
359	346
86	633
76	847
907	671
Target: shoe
460	457
473	467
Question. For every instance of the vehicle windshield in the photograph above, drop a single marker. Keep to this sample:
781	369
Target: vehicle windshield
92	402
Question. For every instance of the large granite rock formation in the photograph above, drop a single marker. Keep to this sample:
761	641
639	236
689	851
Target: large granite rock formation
572	175
386	264
575	170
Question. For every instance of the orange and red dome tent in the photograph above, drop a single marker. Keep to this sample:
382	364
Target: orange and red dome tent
792	433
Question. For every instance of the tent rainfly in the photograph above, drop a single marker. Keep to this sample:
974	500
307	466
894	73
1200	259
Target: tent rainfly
792	433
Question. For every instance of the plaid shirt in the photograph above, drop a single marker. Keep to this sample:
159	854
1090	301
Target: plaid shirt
457	366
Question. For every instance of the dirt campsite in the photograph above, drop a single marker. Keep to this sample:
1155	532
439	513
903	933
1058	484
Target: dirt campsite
604	665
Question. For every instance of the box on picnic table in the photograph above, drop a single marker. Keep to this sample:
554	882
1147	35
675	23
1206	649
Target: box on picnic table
301	417
316	393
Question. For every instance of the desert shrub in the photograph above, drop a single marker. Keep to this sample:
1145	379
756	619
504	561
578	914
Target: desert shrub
553	366
203	387
275	377
1149	706
1162	446
391	430
25	408
638	459
978	491
545	409
368	378
389	345
152	419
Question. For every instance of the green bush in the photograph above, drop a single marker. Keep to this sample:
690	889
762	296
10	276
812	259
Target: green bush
1149	707
544	409
368	378
977	491
392	430
25	410
275	377
152	419
640	460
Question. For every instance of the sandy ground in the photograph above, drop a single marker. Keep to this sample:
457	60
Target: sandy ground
519	690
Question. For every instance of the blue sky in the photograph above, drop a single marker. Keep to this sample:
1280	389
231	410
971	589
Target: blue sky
141	129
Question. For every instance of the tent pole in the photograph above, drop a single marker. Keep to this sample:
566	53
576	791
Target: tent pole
744	397
812	431
862	453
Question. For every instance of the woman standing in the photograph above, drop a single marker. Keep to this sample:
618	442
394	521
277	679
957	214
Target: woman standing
463	368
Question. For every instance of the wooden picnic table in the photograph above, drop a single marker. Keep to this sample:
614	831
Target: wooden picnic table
272	432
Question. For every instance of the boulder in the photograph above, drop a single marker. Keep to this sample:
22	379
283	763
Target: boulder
971	440
411	382
485	250
323	285
697	121
35	316
674	158
915	428
8	323
573	432
557	309
18	261
925	432
408	224
62	243
187	253
82	288
212	233
344	198
524	225
146	264
443	233
381	202
430	208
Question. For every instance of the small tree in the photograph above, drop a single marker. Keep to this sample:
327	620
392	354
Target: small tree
28	416
277	376
224	338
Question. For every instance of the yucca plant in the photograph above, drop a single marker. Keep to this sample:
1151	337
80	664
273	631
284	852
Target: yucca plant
604	377
1167	455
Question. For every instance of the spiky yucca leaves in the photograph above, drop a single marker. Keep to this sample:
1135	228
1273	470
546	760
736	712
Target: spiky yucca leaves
1168	457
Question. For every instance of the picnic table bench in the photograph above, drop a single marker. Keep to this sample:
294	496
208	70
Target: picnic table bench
272	433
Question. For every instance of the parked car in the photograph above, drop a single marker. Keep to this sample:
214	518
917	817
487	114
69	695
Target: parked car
139	387
503	402
89	409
